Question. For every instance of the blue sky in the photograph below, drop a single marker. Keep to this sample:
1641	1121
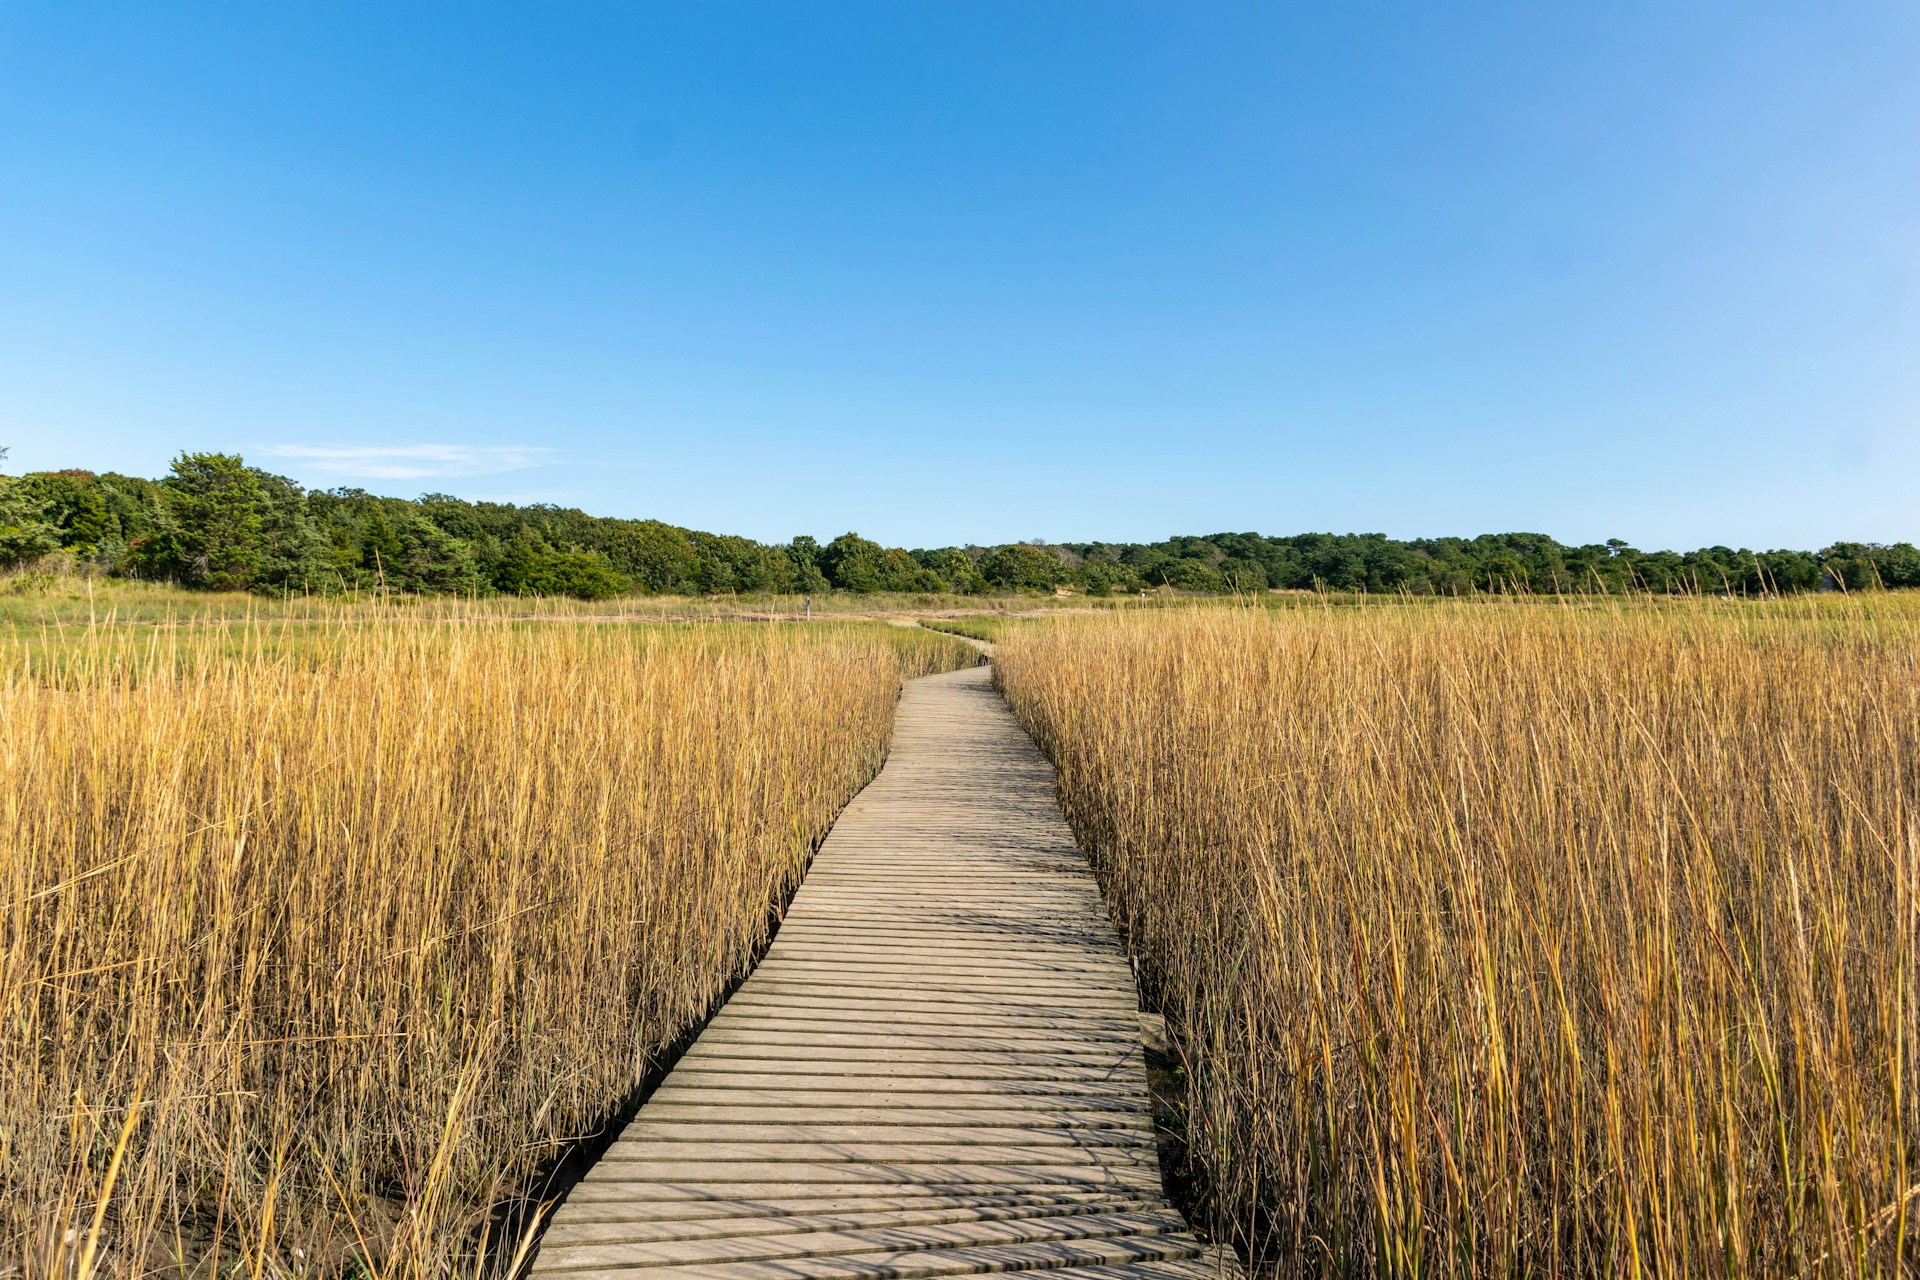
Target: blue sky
983	271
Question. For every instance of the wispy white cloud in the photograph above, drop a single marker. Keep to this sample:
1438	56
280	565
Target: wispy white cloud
413	461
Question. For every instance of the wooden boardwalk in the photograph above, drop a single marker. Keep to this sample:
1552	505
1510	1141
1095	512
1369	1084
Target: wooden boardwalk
935	1071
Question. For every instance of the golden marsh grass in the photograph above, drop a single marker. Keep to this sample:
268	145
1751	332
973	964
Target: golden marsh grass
1519	939
318	939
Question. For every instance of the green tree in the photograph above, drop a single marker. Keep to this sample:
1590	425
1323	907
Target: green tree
380	548
717	576
804	554
134	512
293	553
582	574
1102	572
216	502
24	534
1784	573
660	559
1239	575
428	560
516	567
452	515
729	564
955	568
1899	564
73	504
1865	566
853	563
1021	567
527	566
1195	575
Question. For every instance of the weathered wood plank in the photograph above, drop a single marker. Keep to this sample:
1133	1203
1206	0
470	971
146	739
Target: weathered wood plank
1030	1121
1043	1171
905	1065
666	1199
609	1249
895	1154
614	1221
924	1264
1110	1103
652	1129
1014	998
822	1046
965	1022
1116	1085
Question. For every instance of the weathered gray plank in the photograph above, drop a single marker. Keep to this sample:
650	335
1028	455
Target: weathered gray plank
610	1249
948	1023
892	1154
1046	1169
651	1129
923	1264
717	1076
614	1222
1030	1121
762	1072
668	1199
893	1095
818	1042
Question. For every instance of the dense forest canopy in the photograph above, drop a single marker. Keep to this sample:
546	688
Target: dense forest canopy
216	523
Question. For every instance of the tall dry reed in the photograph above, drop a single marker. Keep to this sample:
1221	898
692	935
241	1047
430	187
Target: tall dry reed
1520	939
317	940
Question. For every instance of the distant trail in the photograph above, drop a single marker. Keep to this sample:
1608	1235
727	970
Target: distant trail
936	1071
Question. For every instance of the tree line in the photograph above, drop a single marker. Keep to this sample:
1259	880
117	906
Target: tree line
216	523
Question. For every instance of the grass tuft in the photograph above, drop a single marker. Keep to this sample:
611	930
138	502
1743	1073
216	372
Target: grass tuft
1526	939
320	936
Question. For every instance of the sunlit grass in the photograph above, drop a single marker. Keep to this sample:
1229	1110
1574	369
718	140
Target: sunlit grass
1520	938
32	602
319	934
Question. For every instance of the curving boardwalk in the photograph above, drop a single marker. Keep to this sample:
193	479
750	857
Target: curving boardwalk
935	1071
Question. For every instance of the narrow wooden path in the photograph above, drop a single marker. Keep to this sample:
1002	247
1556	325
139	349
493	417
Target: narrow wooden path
935	1071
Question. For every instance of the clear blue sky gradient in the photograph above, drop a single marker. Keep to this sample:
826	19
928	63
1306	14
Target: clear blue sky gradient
951	272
